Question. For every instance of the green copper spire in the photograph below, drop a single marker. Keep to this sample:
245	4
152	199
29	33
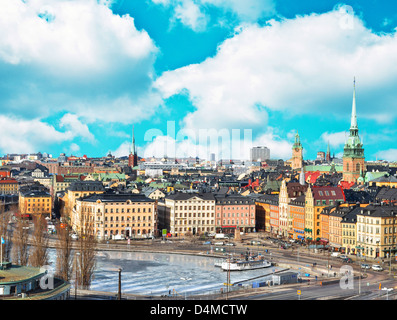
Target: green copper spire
297	143
353	122
353	146
132	151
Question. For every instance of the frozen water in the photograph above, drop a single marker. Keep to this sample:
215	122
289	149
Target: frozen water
158	273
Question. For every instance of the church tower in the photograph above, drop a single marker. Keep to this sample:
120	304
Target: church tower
297	157
353	152
133	157
328	155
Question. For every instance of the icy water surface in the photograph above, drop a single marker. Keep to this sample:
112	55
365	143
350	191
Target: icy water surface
158	273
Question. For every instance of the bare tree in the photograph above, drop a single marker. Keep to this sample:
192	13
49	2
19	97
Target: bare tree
39	256
5	232
86	248
64	246
20	237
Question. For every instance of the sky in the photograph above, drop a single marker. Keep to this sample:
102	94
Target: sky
196	77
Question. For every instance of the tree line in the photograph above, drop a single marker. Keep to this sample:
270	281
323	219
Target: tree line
75	260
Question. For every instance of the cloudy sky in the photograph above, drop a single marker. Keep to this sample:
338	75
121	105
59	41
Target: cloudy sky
196	77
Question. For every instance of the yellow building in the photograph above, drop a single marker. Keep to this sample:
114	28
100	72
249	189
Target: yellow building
35	202
317	198
376	231
9	186
117	215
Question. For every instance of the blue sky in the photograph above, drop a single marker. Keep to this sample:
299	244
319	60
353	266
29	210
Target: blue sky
77	75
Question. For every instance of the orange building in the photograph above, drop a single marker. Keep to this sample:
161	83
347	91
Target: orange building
297	212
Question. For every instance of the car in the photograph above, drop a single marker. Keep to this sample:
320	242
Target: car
207	242
377	267
365	266
335	254
343	256
74	236
230	244
347	260
220	243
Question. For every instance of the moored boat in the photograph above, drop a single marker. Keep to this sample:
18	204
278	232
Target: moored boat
245	264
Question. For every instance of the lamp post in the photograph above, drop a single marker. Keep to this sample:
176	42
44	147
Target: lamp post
119	293
387	292
76	278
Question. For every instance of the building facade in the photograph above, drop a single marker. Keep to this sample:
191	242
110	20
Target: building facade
188	213
123	215
234	213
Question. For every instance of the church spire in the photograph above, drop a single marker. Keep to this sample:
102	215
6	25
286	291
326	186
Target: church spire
353	122
132	151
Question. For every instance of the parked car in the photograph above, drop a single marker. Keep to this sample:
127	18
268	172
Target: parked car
347	260
335	254
343	256
230	244
219	243
74	236
207	242
377	267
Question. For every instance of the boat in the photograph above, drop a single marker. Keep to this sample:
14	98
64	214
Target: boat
245	264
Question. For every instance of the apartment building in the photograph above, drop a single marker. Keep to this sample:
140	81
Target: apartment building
111	214
376	231
234	213
187	213
317	198
35	202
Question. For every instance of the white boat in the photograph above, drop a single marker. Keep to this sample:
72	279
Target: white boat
218	263
242	264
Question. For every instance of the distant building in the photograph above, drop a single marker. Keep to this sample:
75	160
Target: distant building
133	156
9	186
259	154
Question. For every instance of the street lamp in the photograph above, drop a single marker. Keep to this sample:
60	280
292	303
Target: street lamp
75	280
387	292
119	293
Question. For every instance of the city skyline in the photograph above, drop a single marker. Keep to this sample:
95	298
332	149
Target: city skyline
79	75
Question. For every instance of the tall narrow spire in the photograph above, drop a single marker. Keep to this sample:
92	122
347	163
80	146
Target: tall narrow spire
353	123
133	142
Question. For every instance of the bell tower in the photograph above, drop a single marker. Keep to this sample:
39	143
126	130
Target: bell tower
353	152
297	157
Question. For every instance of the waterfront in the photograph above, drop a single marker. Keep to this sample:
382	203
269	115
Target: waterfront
148	273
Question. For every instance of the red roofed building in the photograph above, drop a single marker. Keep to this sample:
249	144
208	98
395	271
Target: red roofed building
317	198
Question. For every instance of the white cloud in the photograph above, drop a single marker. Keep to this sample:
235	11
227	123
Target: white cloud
335	139
28	136
388	155
75	127
299	66
123	150
74	56
195	13
248	10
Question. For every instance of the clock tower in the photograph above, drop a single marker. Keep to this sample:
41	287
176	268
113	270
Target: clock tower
297	157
